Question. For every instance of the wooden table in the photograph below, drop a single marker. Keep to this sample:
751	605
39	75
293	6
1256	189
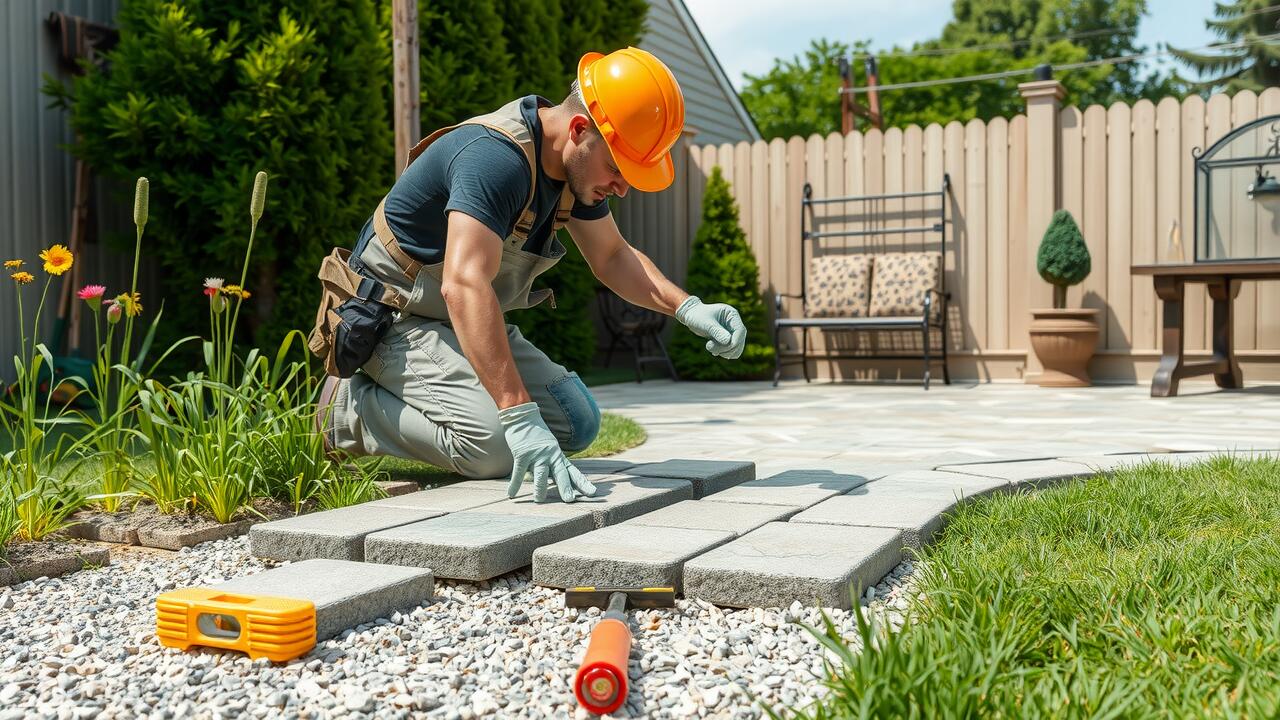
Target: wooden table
1223	280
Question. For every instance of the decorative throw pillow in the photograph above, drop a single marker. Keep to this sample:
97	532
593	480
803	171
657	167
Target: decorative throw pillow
838	286
900	282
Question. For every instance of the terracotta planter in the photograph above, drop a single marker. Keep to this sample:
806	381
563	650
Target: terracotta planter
1064	340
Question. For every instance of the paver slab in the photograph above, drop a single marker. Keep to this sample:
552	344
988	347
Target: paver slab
707	476
473	544
333	534
345	593
918	510
623	556
794	488
1035	473
737	518
603	466
781	563
617	498
962	484
446	499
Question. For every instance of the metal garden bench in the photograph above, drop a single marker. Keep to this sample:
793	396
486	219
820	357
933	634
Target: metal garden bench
873	291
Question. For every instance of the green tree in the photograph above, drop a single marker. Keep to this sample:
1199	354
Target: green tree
722	268
1251	67
800	96
201	95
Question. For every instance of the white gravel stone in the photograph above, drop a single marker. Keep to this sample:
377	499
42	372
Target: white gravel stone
85	647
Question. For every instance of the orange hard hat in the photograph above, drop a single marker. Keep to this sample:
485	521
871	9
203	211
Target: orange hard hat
637	105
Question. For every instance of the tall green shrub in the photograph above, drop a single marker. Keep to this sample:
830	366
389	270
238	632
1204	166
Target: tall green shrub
201	93
722	268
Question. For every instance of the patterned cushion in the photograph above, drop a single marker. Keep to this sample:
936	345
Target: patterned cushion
838	286
900	281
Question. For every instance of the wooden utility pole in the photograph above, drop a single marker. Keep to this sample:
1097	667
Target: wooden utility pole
873	95
404	56
846	97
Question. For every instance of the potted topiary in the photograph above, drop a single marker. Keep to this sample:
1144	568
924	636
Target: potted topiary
1063	338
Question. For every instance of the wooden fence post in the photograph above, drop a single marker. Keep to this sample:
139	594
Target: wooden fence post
1044	195
404	55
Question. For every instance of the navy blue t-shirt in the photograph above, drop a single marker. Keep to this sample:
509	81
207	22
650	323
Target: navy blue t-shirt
478	171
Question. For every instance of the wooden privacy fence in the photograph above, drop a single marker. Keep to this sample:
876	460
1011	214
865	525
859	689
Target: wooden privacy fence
1125	173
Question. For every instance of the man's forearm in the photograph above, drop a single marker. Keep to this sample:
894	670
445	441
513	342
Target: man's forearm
482	333
634	277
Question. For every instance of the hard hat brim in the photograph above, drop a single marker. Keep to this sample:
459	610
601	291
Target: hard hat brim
645	178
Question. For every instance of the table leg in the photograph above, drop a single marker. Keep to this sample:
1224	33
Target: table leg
1224	292
1170	290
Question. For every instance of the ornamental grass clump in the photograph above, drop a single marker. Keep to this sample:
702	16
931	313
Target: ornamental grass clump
243	427
117	377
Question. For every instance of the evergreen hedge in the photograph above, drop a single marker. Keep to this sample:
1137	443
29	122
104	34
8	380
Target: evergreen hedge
199	96
202	93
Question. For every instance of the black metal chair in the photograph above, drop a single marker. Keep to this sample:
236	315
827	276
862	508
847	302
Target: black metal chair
635	328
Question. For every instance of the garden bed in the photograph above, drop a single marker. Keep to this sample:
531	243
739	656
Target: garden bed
146	526
48	558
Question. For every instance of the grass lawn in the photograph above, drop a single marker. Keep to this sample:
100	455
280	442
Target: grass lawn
616	434
1153	591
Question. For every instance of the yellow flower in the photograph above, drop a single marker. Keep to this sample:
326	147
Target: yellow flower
132	306
235	291
13	264
22	278
57	260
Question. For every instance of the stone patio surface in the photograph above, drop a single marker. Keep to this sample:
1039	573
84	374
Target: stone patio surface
865	428
748	495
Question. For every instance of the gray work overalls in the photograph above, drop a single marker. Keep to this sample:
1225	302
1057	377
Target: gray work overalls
418	395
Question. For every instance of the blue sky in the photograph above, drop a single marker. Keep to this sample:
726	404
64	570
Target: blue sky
747	35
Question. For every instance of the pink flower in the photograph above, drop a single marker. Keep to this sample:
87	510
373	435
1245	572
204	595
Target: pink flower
114	311
92	294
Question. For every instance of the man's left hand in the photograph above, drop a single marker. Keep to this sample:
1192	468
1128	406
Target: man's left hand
719	323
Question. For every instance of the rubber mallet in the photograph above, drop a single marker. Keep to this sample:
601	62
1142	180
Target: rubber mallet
601	681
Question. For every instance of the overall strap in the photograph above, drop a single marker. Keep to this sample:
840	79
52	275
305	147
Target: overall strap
509	121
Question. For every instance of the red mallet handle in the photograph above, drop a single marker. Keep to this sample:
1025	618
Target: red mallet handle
601	682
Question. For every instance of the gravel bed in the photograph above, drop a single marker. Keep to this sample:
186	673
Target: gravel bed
84	646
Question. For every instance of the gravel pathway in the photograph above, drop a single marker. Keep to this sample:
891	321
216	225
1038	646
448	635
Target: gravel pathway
84	646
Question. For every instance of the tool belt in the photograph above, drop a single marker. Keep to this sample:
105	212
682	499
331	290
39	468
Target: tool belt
355	311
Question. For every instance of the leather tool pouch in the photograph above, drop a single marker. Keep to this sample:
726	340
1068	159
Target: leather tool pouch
354	313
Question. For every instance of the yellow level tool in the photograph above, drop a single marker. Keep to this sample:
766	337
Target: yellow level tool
277	628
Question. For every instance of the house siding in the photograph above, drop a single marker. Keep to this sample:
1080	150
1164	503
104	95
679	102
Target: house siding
37	184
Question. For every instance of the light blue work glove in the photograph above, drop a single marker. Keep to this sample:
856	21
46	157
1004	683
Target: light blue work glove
719	323
534	449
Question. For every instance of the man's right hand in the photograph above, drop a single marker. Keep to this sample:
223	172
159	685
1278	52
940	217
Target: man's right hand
534	449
